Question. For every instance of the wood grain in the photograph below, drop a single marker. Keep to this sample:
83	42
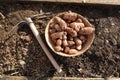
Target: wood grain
112	2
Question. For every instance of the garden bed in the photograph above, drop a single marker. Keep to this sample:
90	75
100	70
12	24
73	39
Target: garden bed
24	57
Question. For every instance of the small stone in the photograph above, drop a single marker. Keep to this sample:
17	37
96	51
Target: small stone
27	38
106	30
84	71
21	62
107	41
112	24
22	37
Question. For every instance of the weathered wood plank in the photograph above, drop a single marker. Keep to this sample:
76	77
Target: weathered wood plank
53	78
50	78
16	78
74	78
113	2
69	1
116	2
107	2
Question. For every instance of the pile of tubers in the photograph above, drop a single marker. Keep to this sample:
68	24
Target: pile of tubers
69	33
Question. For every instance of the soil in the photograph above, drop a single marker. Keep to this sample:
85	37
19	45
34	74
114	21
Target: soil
21	55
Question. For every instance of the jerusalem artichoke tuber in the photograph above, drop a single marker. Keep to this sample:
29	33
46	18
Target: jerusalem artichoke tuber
52	31
72	32
69	32
79	20
56	35
79	47
57	27
76	26
70	17
86	30
64	37
61	22
58	48
65	43
71	43
59	42
77	41
72	51
66	50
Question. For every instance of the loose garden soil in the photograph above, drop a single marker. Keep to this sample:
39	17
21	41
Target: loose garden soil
21	55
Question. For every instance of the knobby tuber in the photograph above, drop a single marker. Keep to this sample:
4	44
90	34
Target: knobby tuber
66	50
86	30
78	43
78	47
61	22
64	37
69	32
72	32
73	51
79	20
58	48
71	43
57	35
59	42
76	26
69	16
65	43
52	31
57	27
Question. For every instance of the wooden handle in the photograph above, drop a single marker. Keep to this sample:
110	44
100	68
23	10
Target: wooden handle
36	34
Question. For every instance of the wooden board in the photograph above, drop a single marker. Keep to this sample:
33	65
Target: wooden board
53	78
112	2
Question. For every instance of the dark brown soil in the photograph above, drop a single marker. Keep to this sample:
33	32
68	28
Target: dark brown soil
25	57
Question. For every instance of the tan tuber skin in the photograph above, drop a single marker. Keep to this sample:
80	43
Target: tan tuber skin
58	48
77	26
79	47
64	37
78	43
51	25
59	42
86	30
79	20
57	35
57	27
69	16
66	50
61	22
72	51
72	32
65	43
70	43
68	31
83	39
52	31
